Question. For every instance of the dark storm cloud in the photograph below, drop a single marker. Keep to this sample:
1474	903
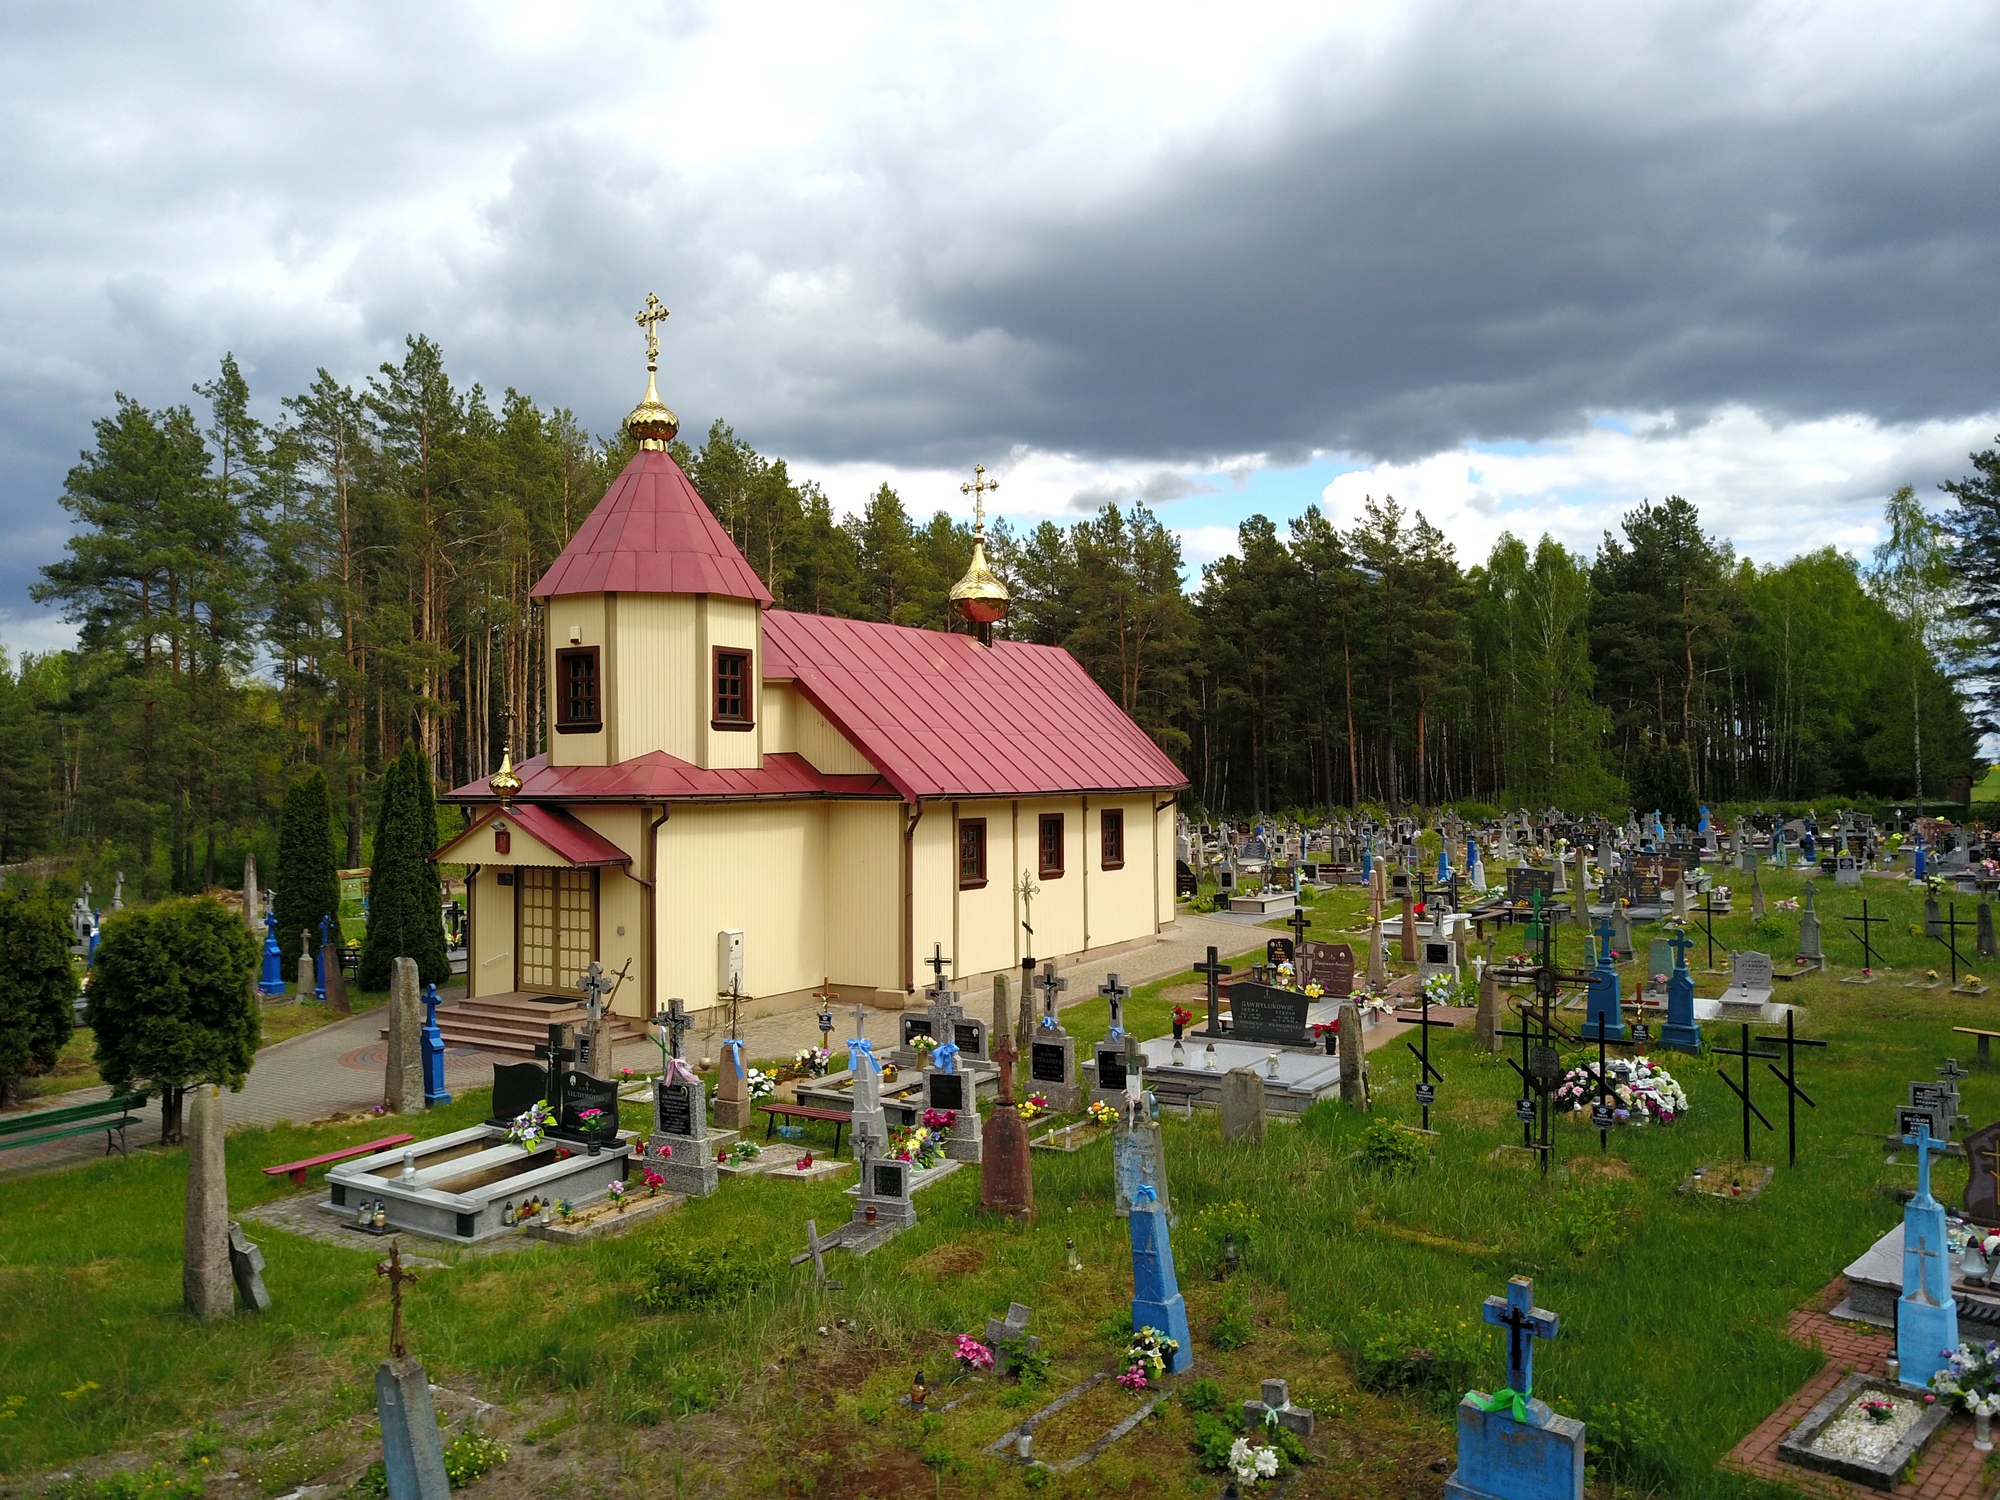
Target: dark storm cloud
1454	223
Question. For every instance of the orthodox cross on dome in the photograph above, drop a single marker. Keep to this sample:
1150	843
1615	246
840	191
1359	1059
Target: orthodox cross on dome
979	487
650	317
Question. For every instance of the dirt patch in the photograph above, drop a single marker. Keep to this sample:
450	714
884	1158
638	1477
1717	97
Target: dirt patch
1482	1112
1423	1237
1605	1168
959	1258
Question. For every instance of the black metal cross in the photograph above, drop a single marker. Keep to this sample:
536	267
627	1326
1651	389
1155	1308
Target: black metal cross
1742	1091
1213	971
1300	925
937	963
1950	939
1427	1075
1708	924
1790	1079
1867	943
560	1055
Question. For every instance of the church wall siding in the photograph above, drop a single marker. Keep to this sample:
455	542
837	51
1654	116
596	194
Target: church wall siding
933	858
658	693
584	612
827	748
863	885
492	958
620	903
727	622
1121	900
757	867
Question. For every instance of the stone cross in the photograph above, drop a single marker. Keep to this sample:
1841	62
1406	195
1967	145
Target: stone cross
1276	1410
1051	987
673	1022
1003	1049
1680	942
1524	1322
937	963
1213	972
860	1019
398	1278
1117	994
815	1251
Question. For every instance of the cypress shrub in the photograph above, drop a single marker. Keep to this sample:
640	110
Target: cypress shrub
308	882
37	987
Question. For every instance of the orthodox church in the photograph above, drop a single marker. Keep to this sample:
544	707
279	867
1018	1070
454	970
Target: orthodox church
739	795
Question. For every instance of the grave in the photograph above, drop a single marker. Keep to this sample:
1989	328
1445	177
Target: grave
1926	1315
1982	1184
1329	965
1437	957
1138	1157
1275	1409
945	1088
1750	986
1242	1105
1156	1292
1268	1015
1511	1446
1847	871
1681	1031
1606	1017
456	1186
1809	938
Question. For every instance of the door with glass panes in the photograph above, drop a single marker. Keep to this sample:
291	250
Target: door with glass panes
558	926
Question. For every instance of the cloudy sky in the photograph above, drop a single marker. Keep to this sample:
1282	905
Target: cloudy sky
1519	266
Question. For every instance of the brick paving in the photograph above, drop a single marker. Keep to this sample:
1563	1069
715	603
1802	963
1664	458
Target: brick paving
1951	1468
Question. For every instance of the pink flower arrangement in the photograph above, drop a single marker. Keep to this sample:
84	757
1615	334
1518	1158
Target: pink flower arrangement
940	1119
1133	1379
972	1355
653	1180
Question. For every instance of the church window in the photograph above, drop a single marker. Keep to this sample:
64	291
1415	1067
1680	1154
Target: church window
971	853
732	689
579	708
1111	836
1052	846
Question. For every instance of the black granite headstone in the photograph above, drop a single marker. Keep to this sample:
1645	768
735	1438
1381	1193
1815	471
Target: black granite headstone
945	1090
516	1087
1111	1069
674	1104
1265	1013
1045	1062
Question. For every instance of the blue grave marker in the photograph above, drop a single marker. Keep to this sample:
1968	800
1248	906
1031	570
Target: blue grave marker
1926	1315
1511	1446
434	1093
1444	860
1605	1016
272	980
319	961
1156	1291
1681	1031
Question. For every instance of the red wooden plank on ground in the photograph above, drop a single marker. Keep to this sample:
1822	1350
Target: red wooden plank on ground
297	1170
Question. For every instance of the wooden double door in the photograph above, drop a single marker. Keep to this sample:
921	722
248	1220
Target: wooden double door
556	918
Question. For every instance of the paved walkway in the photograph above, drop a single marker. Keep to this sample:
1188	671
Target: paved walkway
338	1068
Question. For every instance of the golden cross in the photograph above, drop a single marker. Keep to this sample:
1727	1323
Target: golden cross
650	317
979	487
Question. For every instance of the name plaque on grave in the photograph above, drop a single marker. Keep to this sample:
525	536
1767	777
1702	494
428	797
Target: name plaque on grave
1931	1096
1265	1013
1278	951
1522	885
1330	966
1111	1069
890	1179
1045	1062
914	1027
1438	954
1524	1111
1908	1119
1545	1065
673	1105
970	1038
1427	1093
1603	1116
947	1090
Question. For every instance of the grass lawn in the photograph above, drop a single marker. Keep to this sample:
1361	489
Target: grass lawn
1362	1286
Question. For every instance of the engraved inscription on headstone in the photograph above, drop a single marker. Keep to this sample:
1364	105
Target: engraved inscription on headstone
1045	1062
891	1178
947	1090
674	1107
1264	1013
1110	1069
914	1027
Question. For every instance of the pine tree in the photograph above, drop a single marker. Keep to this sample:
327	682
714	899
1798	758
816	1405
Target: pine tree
37	988
307	886
172	1002
403	898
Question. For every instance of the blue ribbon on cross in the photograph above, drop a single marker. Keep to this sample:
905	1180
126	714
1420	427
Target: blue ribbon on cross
1048	1023
734	1047
859	1047
1144	1193
945	1058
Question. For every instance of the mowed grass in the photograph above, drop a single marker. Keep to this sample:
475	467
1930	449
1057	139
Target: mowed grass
1672	1305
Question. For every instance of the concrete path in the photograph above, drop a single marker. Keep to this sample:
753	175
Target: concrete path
337	1069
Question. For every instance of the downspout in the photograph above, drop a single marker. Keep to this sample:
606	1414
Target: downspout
909	900
649	928
471	927
1085	872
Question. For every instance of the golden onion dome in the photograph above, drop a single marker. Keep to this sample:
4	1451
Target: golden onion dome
979	597
505	783
651	422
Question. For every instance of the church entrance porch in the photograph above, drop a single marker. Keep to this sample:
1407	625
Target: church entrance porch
556	917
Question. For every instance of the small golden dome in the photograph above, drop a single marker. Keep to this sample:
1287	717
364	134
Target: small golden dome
979	597
651	422
505	783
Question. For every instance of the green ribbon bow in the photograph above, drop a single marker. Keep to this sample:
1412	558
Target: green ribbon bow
1518	1400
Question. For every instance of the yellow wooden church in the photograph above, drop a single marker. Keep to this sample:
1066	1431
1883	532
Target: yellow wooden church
735	793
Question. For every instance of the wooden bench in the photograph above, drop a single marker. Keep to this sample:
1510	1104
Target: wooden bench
1985	1040
296	1170
48	1125
839	1119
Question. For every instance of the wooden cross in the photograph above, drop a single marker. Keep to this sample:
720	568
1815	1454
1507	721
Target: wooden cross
1213	972
979	488
398	1278
815	1251
650	317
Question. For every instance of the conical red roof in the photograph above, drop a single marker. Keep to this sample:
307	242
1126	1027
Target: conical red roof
651	534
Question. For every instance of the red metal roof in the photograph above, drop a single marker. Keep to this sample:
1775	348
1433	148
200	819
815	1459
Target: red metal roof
659	777
943	716
575	841
651	534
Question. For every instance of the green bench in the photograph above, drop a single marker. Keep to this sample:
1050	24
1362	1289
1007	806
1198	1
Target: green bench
47	1125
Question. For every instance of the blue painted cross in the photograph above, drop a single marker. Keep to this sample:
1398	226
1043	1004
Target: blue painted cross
1606	954
1925	1148
1524	1322
1680	942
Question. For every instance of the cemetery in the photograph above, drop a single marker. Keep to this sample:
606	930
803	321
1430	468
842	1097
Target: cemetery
1496	1154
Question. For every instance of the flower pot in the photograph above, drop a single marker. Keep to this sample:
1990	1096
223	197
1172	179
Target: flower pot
1180	1030
1982	1431
1332	1043
593	1146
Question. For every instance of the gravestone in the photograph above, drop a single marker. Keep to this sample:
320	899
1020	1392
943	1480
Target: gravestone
1681	1032
1242	1105
1749	986
870	1121
1486	1020
1276	1410
403	1065
1353	1058
731	1106
246	1265
1406	935
1659	966
1606	1016
1012	1330
680	1115
1006	1178
1109	1064
1378	966
885	1186
1138	1158
1926	1314
1809	947
1511	1446
517	1087
1440	956
582	1091
1267	1015
1329	965
253	913
1847	870
412	1449
308	976
1982	1184
1986	947
1156	1291
1052	1071
207	1287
